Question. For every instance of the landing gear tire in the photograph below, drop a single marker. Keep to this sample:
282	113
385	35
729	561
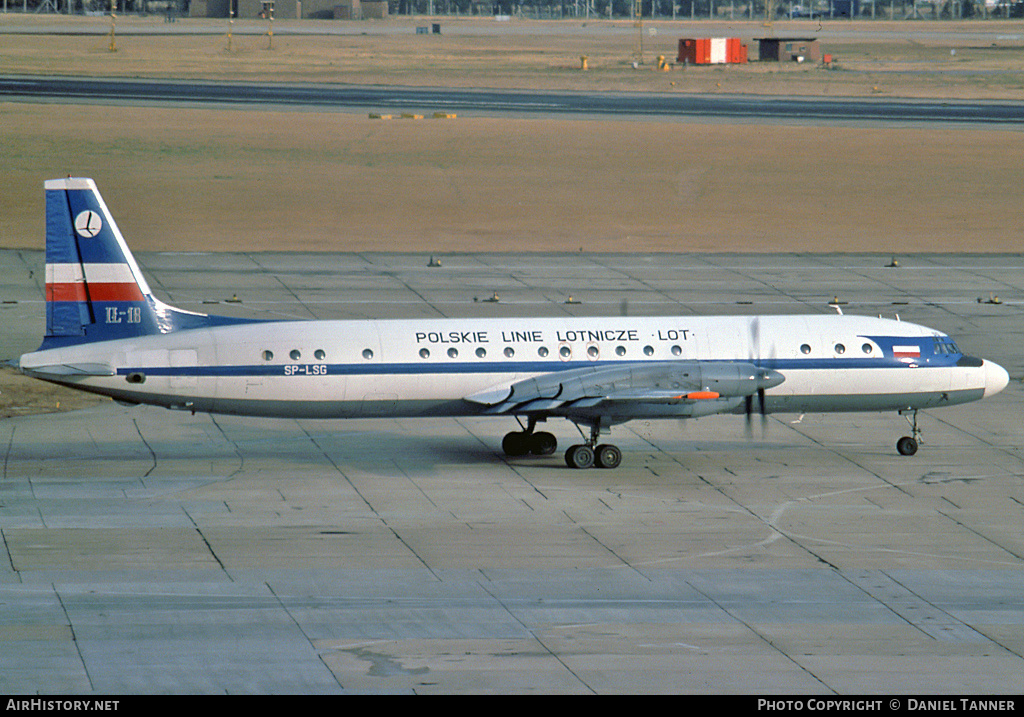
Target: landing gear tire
516	443
520	443
907	446
579	456
607	456
542	443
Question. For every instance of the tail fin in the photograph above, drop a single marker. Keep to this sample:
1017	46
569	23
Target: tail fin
94	289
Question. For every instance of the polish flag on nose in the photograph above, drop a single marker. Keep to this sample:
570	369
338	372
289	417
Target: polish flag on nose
906	352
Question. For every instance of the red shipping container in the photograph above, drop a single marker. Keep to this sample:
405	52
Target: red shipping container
733	50
702	50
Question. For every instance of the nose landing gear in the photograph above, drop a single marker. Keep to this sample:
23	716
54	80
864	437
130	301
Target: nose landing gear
907	445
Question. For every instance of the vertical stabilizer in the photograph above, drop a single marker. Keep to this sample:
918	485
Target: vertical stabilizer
94	289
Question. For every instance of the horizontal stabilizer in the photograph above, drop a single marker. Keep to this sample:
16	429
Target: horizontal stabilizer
65	370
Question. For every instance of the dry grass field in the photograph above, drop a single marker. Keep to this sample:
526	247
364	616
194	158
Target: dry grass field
248	180
256	179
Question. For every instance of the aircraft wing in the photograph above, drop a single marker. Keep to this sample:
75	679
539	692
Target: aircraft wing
627	387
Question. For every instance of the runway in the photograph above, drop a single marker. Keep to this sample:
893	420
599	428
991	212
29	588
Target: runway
156	551
325	96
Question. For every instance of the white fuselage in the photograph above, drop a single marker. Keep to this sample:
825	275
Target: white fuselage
428	367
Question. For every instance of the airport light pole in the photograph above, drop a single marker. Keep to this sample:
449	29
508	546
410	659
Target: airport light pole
270	26
638	22
113	44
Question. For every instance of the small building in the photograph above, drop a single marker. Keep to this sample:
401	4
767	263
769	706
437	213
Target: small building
361	10
845	8
209	8
291	9
375	9
348	10
788	49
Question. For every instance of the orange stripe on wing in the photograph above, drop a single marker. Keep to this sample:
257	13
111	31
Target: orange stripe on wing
702	395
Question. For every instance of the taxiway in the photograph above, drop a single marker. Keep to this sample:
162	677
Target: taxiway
148	550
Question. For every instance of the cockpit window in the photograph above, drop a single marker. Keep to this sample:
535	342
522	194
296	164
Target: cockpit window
944	345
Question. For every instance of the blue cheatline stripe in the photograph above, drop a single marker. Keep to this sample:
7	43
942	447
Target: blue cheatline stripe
503	367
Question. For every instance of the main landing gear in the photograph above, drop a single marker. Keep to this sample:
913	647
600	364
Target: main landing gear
586	456
591	454
527	441
907	446
541	443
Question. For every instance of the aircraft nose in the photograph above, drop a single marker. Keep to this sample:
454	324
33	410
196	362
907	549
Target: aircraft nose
996	378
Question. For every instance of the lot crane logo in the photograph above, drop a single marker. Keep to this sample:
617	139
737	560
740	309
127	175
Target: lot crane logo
88	224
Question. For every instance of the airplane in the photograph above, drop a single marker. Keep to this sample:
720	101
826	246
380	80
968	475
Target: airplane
107	333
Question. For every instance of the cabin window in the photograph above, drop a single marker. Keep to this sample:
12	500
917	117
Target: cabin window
840	349
620	350
424	353
565	352
509	352
319	355
805	349
268	355
481	352
453	352
542	351
677	350
866	348
648	350
592	352
295	354
367	354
